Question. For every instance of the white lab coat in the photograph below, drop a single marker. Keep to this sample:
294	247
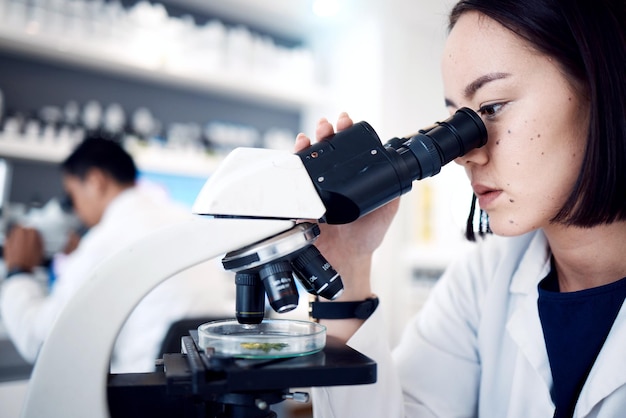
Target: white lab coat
28	311
476	349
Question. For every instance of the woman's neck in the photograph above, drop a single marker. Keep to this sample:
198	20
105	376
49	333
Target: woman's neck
588	257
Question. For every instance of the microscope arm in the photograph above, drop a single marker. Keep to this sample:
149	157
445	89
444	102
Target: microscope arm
70	376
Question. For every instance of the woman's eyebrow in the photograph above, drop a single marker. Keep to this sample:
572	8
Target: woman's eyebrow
475	85
471	89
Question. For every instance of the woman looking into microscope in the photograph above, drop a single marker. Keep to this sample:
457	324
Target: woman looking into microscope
530	323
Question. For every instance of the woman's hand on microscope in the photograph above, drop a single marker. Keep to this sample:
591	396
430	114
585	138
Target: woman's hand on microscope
23	249
349	247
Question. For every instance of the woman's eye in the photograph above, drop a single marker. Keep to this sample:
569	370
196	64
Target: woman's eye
490	111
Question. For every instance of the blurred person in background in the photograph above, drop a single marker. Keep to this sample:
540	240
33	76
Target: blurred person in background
100	178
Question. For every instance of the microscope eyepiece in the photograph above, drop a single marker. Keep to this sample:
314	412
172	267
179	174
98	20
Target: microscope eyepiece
354	173
434	147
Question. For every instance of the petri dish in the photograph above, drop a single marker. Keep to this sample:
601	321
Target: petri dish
272	338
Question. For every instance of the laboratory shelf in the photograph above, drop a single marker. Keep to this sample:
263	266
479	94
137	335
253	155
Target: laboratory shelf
183	162
33	150
270	91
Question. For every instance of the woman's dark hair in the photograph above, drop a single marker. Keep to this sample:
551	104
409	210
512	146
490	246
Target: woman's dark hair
587	39
103	154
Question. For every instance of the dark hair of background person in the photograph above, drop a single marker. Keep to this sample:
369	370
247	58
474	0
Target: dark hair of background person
587	39
103	154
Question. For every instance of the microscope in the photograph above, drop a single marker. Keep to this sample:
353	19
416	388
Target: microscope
256	213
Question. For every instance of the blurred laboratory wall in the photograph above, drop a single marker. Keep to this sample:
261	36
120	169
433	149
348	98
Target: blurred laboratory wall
383	65
181	82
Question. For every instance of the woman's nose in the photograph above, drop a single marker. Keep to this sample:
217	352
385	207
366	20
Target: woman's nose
477	156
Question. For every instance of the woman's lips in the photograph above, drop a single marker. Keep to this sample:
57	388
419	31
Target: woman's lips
486	195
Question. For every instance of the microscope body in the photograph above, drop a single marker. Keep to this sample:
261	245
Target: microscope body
254	196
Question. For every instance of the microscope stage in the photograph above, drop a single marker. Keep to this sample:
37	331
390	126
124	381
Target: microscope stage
194	378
